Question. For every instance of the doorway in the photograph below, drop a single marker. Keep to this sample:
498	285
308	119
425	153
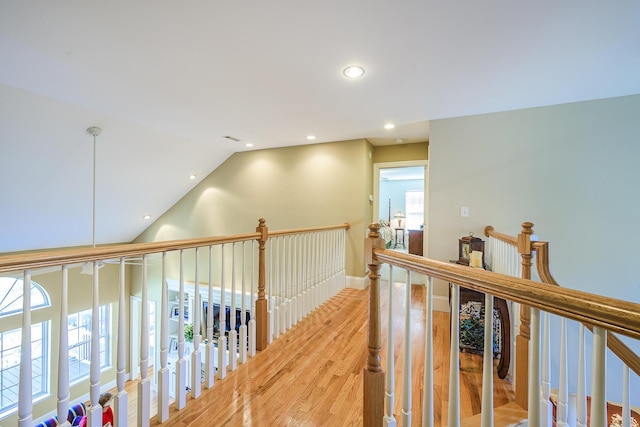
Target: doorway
401	200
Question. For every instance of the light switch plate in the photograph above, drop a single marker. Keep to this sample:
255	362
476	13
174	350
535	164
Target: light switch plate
464	211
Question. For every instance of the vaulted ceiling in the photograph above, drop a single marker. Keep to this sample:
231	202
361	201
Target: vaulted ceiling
167	81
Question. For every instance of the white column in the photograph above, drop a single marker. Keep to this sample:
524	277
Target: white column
454	358
598	414
63	350
209	375
196	355
427	402
25	391
487	364
389	420
626	406
164	373
120	401
144	386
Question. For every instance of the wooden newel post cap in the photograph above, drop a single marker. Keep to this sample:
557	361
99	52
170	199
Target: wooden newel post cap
372	242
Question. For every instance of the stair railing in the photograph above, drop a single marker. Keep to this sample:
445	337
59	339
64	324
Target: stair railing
605	314
308	269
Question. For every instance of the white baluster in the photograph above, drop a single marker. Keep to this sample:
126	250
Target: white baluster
406	365
243	310
163	373
222	340
63	351
94	415
581	398
181	363
487	365
271	291
144	386
563	389
427	402
545	403
534	369
389	420
25	391
626	406
196	355
454	358
252	322
121	399
277	291
233	335
598	416
210	370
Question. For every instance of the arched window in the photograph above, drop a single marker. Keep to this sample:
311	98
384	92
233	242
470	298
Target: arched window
10	341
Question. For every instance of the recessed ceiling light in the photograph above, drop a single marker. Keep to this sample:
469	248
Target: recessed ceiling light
248	144
353	71
192	176
399	140
146	217
311	137
389	126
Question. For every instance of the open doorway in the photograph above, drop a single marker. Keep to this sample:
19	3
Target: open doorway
400	206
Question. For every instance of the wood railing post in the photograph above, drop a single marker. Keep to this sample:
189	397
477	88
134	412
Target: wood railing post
373	373
522	339
261	302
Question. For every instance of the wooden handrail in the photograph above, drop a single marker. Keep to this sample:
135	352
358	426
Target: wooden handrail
490	232
280	233
58	257
615	315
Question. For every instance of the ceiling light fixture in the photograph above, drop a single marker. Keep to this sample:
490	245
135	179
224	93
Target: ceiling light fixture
146	217
353	71
192	176
248	144
389	126
311	137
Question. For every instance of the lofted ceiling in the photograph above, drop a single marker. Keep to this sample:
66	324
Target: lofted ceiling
167	81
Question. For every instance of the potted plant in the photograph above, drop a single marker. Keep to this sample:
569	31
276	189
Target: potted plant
188	332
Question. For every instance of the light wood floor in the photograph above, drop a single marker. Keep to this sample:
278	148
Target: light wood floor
312	375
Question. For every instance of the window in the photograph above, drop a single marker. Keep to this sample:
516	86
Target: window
10	342
414	201
79	327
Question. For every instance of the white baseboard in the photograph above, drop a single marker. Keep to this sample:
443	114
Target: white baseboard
361	283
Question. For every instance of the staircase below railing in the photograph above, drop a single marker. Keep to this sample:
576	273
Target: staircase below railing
607	315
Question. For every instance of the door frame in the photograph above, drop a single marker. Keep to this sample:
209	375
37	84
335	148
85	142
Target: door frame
376	193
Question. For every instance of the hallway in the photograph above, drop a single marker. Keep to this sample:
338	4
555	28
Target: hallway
312	375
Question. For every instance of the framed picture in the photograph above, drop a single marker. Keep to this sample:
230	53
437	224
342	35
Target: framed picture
175	312
173	345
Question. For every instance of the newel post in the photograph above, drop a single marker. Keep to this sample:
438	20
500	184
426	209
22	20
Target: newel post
522	339
373	374
261	302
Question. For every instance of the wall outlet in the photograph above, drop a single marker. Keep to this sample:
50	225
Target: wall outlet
464	211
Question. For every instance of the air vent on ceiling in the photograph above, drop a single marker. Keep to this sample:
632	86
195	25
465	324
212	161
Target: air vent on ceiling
231	138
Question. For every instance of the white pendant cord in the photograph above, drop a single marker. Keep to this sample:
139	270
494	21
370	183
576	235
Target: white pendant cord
93	239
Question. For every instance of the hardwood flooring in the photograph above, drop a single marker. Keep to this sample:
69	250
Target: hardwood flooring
312	375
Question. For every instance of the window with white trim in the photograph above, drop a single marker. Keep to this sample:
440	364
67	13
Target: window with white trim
11	303
79	329
414	204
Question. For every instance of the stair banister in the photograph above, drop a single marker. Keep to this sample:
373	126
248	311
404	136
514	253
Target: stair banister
373	375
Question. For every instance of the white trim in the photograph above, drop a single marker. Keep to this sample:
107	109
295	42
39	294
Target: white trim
361	283
376	194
